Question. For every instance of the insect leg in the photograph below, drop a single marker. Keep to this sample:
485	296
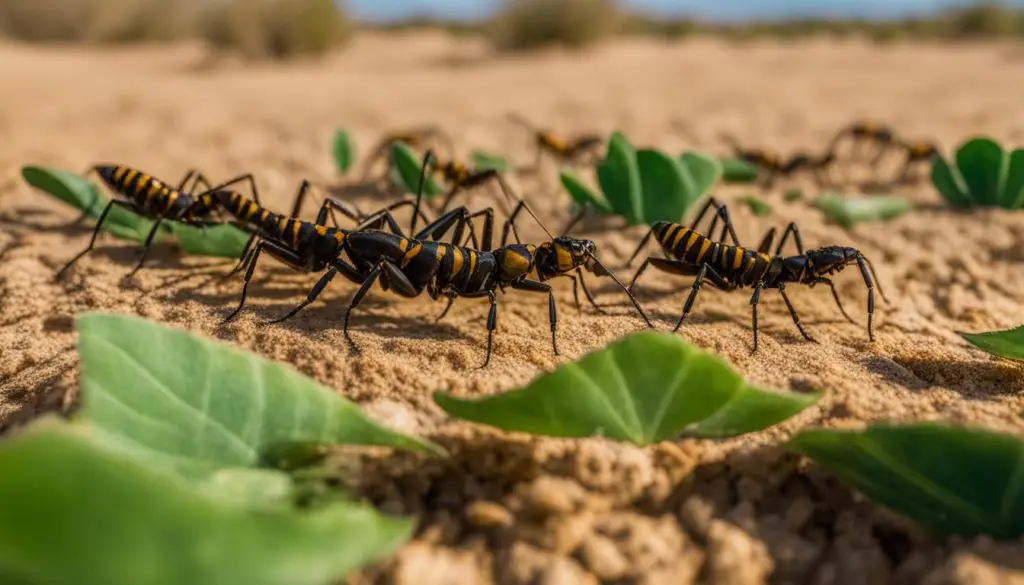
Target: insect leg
96	231
358	297
248	177
534	286
862	263
790	229
835	296
283	254
792	313
313	294
146	246
706	271
576	218
754	299
448	307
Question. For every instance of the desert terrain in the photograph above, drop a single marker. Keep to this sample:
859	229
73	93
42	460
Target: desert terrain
554	511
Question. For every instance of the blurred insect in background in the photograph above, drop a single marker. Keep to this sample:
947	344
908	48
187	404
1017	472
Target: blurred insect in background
731	266
575	150
772	166
866	137
151	198
917	156
421	137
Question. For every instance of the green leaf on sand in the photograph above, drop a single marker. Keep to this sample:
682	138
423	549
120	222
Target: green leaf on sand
643	388
583	195
756	205
195	406
487	161
1008	343
408	166
950	479
77	513
736	170
225	241
663	185
344	151
619	177
847	211
83	194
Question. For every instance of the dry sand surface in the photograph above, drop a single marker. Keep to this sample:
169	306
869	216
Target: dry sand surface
519	510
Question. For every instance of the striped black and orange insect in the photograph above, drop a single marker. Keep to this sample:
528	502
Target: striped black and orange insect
771	165
411	266
916	154
865	136
302	245
731	266
151	198
583	149
420	137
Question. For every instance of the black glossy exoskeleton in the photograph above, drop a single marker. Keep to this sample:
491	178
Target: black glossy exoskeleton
411	266
151	198
772	166
863	135
731	266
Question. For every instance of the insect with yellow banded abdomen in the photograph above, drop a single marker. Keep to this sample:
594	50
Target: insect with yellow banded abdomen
149	197
731	266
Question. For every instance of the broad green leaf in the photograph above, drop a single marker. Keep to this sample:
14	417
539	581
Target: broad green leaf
950	479
847	211
643	388
83	194
756	205
486	161
75	513
736	170
982	164
1013	190
344	151
1007	344
704	171
408	165
221	240
582	194
949	183
196	406
619	177
666	189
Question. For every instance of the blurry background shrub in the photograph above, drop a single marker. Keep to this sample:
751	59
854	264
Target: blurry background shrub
529	24
254	28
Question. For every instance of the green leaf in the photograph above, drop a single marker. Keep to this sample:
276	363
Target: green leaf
485	161
83	194
643	388
344	151
582	194
1013	190
408	165
847	211
949	183
981	163
950	479
75	513
792	195
702	170
1007	344
221	240
619	177
195	406
666	194
756	205
735	170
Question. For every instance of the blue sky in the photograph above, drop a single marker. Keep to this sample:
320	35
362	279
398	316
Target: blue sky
377	10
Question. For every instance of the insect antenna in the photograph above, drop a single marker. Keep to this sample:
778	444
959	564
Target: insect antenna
605	272
521	121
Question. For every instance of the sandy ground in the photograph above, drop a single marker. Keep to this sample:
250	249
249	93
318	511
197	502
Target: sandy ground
520	510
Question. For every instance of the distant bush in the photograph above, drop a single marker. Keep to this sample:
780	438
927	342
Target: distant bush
529	24
254	28
276	28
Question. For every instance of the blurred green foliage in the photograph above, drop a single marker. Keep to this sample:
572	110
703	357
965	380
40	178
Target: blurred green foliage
531	24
